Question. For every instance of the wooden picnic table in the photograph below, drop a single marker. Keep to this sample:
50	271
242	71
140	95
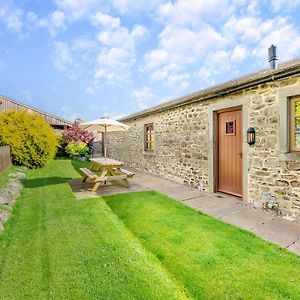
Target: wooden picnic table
112	166
110	171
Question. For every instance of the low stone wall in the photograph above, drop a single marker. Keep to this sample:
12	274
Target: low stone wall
8	195
182	148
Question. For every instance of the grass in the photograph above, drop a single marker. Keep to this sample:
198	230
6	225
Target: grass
56	247
211	259
131	246
4	175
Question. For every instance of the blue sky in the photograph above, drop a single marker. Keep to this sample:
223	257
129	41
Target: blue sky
91	58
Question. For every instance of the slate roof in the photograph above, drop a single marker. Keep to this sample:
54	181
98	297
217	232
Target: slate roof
283	70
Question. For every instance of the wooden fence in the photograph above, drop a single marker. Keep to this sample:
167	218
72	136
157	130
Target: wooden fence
5	159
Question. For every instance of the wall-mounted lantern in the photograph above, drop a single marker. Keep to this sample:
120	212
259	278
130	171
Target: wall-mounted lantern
251	136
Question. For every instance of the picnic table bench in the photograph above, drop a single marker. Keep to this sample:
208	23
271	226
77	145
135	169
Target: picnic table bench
110	171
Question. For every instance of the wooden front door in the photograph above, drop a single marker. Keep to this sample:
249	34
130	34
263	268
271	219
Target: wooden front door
230	162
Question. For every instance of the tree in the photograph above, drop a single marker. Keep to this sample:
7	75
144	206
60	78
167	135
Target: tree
32	140
76	134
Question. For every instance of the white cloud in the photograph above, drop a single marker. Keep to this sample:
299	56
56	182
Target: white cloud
139	31
285	36
84	44
105	21
90	91
134	6
193	12
11	16
64	61
249	28
78	9
284	4
54	22
155	58
216	64
143	97
179	49
62	58
118	48
239	53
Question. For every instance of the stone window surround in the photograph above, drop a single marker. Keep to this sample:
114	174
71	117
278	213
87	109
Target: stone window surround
212	159
284	96
148	152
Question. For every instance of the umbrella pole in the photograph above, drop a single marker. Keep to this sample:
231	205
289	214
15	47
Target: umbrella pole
105	141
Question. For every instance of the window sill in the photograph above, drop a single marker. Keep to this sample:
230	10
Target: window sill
149	153
289	156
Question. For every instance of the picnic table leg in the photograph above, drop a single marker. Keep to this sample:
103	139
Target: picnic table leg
96	186
122	182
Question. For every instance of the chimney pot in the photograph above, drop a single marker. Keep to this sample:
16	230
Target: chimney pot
272	57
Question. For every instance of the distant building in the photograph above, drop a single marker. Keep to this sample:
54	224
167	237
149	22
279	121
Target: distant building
10	104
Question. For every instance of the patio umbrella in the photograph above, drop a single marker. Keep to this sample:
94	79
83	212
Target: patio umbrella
104	125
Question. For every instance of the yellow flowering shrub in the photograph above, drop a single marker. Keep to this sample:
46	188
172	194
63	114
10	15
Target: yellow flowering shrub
32	140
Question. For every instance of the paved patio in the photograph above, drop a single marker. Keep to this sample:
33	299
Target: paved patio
226	208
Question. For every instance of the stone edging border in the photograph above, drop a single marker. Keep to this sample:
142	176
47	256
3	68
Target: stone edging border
9	194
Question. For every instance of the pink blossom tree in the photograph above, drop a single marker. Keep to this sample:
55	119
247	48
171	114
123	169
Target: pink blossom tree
76	134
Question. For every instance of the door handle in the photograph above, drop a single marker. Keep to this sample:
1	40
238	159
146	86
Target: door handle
240	154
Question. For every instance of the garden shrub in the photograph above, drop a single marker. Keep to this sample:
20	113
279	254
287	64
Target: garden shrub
77	134
32	140
61	148
74	134
76	149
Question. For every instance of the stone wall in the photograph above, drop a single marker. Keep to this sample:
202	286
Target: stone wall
182	148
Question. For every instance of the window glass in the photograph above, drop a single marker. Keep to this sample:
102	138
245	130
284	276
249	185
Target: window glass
149	137
295	124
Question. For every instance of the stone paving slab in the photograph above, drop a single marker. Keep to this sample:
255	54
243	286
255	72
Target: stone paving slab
247	218
220	210
178	193
295	247
279	231
215	205
194	202
83	190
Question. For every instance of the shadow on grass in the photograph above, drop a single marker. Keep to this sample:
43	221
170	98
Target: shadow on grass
80	164
39	182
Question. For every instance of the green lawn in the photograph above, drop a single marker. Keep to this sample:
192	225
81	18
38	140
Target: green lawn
131	246
212	260
4	175
56	247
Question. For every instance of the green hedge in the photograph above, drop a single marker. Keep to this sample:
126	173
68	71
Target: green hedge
32	140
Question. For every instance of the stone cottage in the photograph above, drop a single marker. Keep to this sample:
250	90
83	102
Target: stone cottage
201	139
